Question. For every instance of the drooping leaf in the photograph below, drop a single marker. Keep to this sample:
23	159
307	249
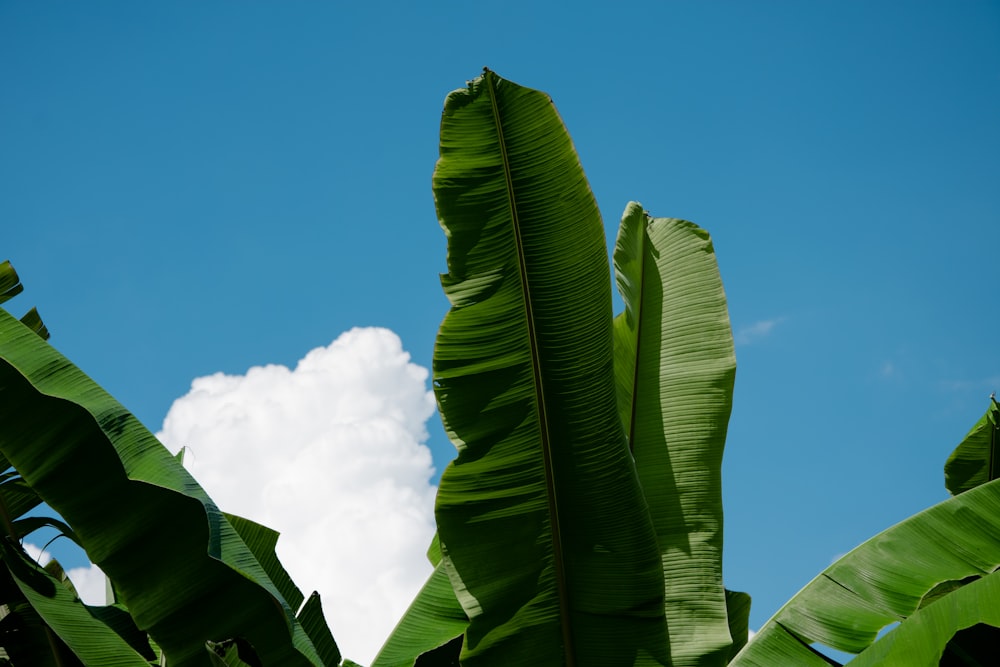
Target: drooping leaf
885	580
976	460
17	498
179	566
117	618
675	368
29	524
544	531
921	640
89	639
314	624
262	541
27	640
433	620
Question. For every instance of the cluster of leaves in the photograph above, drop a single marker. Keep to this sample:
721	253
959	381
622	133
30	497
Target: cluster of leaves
205	588
581	521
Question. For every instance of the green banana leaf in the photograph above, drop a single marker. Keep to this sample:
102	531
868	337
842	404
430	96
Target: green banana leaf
738	612
923	638
886	579
431	630
976	460
16	498
10	286
91	641
675	369
262	541
10	283
544	531
433	619
179	566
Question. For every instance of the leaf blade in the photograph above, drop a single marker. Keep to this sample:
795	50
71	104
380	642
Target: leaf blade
675	371
884	579
60	430
523	372
976	459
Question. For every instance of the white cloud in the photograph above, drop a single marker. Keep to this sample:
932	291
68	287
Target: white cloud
331	455
90	584
37	554
753	332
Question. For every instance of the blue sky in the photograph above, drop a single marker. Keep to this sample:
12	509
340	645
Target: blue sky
191	188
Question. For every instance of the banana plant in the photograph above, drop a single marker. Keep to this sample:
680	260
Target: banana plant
580	523
204	586
936	575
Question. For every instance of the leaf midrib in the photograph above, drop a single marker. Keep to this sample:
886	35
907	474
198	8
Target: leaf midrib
544	435
644	221
993	464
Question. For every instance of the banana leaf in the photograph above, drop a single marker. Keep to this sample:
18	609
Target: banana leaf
16	498
65	617
10	286
925	636
262	541
176	563
544	531
432	621
10	283
738	613
976	460
886	579
675	369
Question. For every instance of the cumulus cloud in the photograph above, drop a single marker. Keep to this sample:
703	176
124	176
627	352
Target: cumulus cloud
331	454
753	332
90	584
37	554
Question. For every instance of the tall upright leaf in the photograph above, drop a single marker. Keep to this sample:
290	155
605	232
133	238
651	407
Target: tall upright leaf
544	531
675	369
